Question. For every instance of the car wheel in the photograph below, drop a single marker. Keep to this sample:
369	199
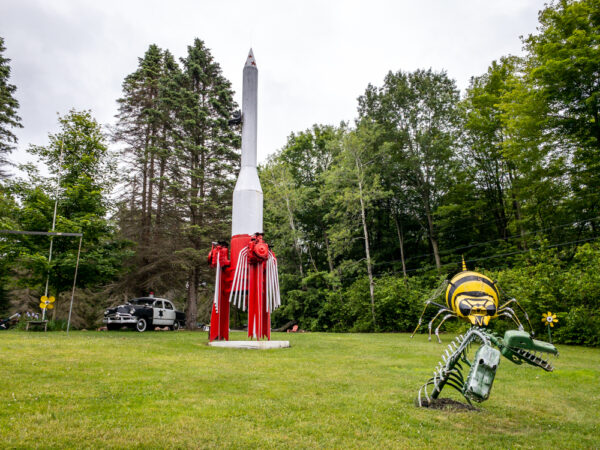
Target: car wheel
141	325
175	326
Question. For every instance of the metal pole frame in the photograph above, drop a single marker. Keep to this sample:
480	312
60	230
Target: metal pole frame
74	281
52	234
60	160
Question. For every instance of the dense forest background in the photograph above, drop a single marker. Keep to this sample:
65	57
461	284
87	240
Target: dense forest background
367	218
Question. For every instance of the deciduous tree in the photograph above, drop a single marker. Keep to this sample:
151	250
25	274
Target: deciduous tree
419	113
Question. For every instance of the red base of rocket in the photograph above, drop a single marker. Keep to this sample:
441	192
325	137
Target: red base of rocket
251	253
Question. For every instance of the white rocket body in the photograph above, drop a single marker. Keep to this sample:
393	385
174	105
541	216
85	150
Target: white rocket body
248	196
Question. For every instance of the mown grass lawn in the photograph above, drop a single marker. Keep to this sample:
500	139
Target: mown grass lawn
169	389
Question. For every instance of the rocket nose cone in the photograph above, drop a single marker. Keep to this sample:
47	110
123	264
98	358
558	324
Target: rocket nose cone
250	61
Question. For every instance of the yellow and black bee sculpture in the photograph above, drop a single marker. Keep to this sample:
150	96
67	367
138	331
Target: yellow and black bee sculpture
472	297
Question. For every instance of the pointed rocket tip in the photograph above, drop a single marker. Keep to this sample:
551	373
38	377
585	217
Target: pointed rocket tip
250	61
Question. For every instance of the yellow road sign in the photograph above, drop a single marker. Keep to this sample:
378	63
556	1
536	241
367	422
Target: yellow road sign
51	299
43	299
43	305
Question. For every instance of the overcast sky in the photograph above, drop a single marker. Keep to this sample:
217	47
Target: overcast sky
314	57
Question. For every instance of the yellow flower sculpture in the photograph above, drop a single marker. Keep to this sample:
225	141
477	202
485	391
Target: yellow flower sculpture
549	318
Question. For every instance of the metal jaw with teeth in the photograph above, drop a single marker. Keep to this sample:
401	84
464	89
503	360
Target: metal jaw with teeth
520	347
517	346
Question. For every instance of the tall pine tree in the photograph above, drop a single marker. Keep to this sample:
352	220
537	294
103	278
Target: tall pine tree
207	160
147	213
8	110
182	157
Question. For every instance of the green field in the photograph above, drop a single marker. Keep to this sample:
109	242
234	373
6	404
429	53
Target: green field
169	389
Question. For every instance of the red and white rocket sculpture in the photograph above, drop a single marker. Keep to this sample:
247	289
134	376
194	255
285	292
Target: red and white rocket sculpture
248	278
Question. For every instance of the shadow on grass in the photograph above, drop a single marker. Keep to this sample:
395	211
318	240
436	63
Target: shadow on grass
447	404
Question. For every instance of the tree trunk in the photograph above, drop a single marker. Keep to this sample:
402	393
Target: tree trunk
134	190
432	238
191	310
194	198
517	209
161	173
161	189
329	259
150	200
502	220
367	247
293	227
56	300
286	327
312	260
518	217
144	198
401	242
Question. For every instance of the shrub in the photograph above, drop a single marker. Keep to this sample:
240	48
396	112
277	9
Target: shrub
579	326
544	280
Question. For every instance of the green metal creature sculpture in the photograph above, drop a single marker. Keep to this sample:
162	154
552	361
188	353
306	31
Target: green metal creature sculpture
473	297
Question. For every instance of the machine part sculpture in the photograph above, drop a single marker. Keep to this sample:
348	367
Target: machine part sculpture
474	298
246	269
251	285
5	324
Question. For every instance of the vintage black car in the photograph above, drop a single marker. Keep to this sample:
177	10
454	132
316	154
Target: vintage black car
143	313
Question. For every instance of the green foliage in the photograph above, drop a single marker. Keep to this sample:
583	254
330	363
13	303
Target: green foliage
357	309
208	157
562	75
507	177
146	212
84	171
399	302
8	251
366	219
550	282
294	182
564	58
580	325
417	116
546	280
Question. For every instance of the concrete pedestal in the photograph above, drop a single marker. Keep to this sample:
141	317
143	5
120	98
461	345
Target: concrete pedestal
255	345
